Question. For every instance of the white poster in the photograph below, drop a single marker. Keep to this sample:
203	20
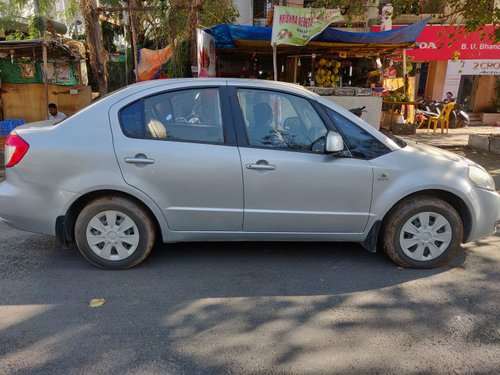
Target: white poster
206	54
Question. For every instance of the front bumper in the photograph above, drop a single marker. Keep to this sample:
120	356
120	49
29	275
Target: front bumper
485	212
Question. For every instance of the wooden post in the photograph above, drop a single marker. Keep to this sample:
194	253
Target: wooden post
134	40
98	56
275	61
404	71
193	26
295	69
45	80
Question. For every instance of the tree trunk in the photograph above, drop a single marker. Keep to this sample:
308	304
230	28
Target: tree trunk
98	56
193	24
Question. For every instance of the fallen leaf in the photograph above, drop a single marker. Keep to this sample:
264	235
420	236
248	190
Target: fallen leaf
97	302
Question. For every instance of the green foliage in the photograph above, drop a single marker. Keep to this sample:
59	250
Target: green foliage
116	72
214	12
17	35
348	8
174	29
36	26
108	33
409	69
180	66
473	14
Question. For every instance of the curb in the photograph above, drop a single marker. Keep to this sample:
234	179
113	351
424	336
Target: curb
485	142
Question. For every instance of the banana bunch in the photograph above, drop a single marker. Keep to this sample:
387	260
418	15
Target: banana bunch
327	73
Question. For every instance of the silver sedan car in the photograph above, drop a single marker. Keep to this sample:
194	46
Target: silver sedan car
232	160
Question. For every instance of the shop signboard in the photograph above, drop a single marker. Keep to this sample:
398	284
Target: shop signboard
456	69
474	67
437	42
390	72
206	54
296	26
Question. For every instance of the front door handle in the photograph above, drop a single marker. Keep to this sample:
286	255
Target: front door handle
139	159
261	167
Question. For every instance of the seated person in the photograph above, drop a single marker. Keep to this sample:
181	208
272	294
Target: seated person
262	133
164	112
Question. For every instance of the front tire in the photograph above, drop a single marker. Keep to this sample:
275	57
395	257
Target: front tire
114	233
422	232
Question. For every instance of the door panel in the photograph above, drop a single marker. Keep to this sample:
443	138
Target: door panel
291	185
305	192
197	185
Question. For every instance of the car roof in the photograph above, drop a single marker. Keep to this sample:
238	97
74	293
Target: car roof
257	83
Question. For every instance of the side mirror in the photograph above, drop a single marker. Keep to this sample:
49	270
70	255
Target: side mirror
334	142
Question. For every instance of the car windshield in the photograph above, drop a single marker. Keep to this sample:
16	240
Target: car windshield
401	143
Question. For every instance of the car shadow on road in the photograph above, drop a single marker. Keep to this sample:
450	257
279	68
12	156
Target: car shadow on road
246	308
284	268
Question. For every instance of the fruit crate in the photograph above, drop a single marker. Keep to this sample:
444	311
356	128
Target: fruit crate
404	129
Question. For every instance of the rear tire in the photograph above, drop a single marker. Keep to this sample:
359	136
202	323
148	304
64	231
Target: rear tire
114	233
422	232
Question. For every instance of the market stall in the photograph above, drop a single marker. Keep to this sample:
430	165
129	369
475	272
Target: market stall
37	72
341	65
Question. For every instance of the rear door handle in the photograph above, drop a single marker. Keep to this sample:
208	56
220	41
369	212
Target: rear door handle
139	160
261	167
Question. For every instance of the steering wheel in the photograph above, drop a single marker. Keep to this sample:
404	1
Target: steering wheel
195	118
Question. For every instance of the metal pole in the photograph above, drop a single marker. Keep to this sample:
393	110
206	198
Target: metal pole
275	62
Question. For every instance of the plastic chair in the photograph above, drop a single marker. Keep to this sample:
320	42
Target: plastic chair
443	119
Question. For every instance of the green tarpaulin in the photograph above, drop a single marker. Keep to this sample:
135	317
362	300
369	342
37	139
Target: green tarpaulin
62	74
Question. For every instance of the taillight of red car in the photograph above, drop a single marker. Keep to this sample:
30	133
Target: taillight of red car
15	149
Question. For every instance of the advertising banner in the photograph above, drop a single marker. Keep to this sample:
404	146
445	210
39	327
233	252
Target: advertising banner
296	26
453	42
456	69
206	54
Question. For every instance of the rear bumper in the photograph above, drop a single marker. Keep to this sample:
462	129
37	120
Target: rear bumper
31	207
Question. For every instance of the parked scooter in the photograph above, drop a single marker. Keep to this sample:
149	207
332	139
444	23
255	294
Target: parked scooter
458	117
424	111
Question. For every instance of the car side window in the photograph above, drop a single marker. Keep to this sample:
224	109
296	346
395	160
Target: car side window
281	121
362	144
183	115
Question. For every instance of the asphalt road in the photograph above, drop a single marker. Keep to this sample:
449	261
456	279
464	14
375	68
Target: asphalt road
247	309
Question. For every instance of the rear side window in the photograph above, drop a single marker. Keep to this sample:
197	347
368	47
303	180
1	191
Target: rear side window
132	120
184	115
361	143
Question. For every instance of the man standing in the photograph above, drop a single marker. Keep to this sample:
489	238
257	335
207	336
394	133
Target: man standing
54	114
